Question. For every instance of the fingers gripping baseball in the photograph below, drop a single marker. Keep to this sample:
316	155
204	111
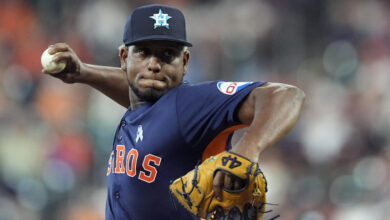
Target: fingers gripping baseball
62	52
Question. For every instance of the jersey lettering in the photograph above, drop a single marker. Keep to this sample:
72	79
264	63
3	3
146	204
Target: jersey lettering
120	156
128	164
110	166
152	170
133	156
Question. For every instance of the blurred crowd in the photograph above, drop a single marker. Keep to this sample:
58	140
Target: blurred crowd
55	138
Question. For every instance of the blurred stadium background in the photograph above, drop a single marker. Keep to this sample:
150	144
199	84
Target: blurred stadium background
55	138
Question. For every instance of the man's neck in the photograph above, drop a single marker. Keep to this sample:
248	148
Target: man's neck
135	101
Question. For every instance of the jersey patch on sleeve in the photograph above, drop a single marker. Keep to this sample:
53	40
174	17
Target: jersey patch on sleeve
230	88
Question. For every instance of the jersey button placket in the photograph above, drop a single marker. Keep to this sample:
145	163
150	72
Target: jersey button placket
117	195
123	124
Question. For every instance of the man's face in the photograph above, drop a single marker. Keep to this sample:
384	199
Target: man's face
154	67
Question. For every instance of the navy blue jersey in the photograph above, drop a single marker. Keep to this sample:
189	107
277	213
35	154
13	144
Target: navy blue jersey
156	143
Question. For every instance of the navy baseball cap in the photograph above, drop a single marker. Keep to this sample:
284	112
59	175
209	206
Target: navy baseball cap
155	22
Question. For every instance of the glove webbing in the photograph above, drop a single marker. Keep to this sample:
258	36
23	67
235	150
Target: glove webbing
185	194
257	172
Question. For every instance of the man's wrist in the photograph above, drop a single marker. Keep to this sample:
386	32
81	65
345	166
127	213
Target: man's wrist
86	74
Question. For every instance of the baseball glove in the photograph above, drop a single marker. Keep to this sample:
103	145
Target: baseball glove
195	189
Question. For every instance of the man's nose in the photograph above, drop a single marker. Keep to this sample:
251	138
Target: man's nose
154	64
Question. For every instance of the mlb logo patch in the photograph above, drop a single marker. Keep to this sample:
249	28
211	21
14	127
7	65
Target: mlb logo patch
230	88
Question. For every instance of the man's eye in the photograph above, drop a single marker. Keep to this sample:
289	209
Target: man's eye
169	53
141	51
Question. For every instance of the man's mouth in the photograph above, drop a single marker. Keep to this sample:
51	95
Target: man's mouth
152	83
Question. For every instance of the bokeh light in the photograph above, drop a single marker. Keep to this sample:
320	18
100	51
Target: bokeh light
58	176
344	192
341	59
32	194
312	215
370	173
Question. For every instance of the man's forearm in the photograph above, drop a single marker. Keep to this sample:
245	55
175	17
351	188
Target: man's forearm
276	111
111	81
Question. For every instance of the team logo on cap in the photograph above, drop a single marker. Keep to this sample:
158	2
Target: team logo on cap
161	19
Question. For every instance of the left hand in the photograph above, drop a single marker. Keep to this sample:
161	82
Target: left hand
227	181
238	183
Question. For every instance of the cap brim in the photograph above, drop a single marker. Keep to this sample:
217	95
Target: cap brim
159	38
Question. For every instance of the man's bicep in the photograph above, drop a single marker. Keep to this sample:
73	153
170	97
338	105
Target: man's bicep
246	109
263	96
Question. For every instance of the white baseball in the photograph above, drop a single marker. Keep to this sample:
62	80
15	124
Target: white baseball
49	65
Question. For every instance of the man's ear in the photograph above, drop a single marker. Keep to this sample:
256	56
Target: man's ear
186	58
123	53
